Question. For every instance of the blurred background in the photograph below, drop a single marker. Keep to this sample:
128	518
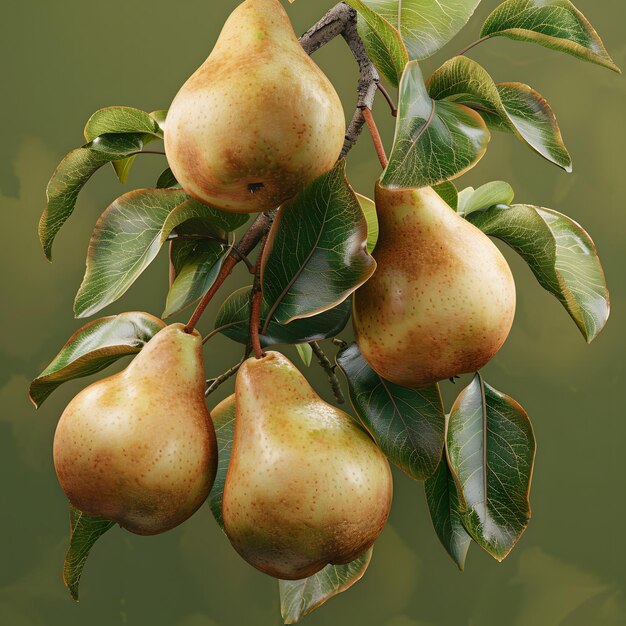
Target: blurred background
63	61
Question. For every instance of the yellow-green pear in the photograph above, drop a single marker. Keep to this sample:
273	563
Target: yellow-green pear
442	300
258	120
139	447
306	486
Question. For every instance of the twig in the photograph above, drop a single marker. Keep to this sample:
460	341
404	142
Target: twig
340	343
474	43
214	383
378	142
256	300
390	102
329	368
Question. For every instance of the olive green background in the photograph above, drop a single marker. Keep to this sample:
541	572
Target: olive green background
62	61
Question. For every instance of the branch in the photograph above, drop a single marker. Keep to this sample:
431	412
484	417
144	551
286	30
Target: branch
214	383
256	301
328	367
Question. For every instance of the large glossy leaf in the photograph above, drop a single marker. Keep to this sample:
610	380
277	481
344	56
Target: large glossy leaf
425	25
233	320
491	450
561	255
72	174
443	504
435	141
555	24
383	42
407	424
486	196
84	532
509	107
120	119
298	597
94	347
316	253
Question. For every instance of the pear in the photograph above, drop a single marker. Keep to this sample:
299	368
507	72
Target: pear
305	486
442	300
258	120
139	447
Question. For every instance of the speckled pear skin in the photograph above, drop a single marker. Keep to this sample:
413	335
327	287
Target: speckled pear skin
306	486
442	300
139	447
258	120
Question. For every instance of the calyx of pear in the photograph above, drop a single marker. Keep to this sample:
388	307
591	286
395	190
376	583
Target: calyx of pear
139	447
305	486
258	120
442	300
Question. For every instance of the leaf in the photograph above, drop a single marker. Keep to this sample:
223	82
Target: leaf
435	141
508	107
299	598
305	352
94	347
120	119
443	504
561	255
84	532
316	253
369	211
233	320
486	196
72	174
555	24
407	424
167	180
448	191
382	41
491	451
425	25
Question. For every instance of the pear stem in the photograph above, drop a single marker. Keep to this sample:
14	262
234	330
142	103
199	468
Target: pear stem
256	300
378	142
329	368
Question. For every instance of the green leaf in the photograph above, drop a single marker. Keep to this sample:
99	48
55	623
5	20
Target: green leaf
425	25
435	141
508	107
486	196
167	180
94	347
443	504
160	117
316	253
305	352
448	191
299	598
555	24
84	532
233	320
491	450
382	41
72	174
369	211
119	119
407	424
561	255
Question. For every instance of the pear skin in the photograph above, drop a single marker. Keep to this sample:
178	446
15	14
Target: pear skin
306	486
442	300
258	120
139	447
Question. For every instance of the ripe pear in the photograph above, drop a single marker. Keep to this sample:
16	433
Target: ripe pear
442	300
305	486
139	447
258	120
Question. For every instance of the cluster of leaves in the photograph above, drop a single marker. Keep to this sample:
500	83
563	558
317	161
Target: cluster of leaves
476	461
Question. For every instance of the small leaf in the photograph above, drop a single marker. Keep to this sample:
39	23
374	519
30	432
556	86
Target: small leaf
233	320
369	211
299	598
84	532
435	141
160	118
443	504
167	180
448	191
119	119
316	253
486	196
407	424
491	451
72	174
425	25
561	255
382	41
93	348
305	352
555	24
